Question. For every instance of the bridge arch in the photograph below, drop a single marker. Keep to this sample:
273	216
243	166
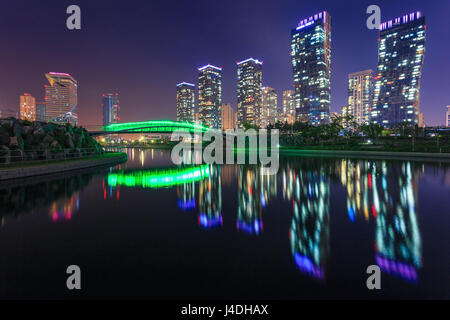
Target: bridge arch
151	126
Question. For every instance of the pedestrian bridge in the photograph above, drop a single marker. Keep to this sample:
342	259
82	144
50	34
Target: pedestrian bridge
151	126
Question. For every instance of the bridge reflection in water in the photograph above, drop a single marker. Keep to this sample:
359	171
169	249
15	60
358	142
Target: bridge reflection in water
383	196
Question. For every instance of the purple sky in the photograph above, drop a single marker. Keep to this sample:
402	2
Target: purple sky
142	49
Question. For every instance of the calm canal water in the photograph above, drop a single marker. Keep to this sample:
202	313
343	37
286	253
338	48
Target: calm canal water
147	229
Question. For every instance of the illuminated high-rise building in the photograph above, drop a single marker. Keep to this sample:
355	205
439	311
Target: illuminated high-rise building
289	102
269	108
228	117
401	52
249	91
185	102
27	107
61	97
311	63
422	120
447	117
110	107
41	114
360	95
209	95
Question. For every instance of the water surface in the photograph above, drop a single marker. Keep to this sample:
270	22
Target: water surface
148	229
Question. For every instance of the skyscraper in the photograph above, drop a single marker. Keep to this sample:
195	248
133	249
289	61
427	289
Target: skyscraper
311	63
269	109
41	114
422	120
401	51
61	97
228	117
447	117
27	107
360	95
185	102
249	91
110	108
289	102
210	95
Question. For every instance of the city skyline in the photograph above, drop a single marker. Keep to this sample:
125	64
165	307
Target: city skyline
159	103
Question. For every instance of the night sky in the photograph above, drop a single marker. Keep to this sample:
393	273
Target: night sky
142	49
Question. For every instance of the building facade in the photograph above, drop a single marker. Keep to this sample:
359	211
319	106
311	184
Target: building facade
228	117
249	91
360	96
186	102
41	114
311	63
401	52
447	117
422	120
210	95
110	108
269	108
61	98
27	107
289	102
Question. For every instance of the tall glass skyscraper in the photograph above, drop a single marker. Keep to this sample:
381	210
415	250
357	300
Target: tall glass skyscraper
360	95
269	109
209	95
185	102
249	91
110	107
289	102
401	51
61	97
311	63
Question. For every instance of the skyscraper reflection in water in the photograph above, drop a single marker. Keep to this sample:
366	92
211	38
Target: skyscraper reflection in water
389	195
398	241
382	193
309	191
210	199
64	208
356	177
186	196
250	200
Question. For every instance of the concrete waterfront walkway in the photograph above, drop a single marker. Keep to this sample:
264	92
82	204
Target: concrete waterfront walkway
15	172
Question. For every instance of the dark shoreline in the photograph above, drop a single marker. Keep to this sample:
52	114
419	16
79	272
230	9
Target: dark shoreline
381	155
52	168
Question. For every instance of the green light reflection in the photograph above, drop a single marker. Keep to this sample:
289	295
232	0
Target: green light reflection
158	178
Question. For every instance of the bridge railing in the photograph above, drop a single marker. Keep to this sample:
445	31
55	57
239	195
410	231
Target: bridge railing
35	156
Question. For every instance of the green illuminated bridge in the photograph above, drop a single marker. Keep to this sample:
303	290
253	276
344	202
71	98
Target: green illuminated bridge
151	126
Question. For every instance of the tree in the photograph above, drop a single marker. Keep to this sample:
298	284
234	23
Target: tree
372	130
249	125
404	129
